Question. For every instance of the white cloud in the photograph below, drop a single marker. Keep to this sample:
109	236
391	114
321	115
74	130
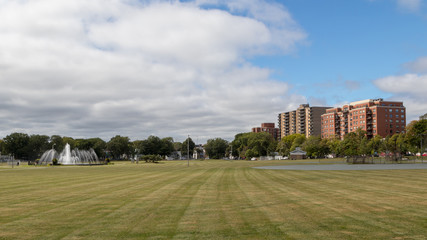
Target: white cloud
409	88
410	5
100	68
418	66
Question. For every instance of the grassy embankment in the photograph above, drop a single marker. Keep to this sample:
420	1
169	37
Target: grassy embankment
210	200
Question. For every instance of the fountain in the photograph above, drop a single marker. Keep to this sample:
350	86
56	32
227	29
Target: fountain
70	157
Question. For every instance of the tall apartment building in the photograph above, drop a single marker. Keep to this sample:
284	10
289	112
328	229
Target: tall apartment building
305	120
375	116
269	128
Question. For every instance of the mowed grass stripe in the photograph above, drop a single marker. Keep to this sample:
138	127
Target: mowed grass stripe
211	199
204	216
50	197
113	195
350	207
147	212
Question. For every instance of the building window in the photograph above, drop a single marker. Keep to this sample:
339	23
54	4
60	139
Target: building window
390	110
402	116
402	110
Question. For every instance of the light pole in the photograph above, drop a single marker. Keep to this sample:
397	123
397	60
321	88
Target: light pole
421	146
421	149
188	150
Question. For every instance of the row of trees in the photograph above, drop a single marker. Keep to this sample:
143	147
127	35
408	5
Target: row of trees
244	145
31	147
24	146
248	145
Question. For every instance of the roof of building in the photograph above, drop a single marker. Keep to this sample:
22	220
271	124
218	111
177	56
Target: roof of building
298	151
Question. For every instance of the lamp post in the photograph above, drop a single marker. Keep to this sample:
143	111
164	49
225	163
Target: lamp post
421	145
421	149
188	150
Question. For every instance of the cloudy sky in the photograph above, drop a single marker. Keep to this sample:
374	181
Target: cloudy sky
208	68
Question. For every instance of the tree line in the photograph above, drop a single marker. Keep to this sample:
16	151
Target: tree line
248	145
31	147
244	145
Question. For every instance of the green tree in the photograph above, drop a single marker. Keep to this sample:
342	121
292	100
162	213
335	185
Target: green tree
138	146
119	146
1	147
17	144
240	144
82	144
289	143
70	141
251	144
37	145
184	149
260	144
99	146
152	146
298	141
355	145
57	142
177	146
316	147
215	148
167	146
397	145
375	144
334	145
349	144
416	135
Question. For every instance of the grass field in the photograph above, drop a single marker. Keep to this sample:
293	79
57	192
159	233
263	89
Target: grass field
210	200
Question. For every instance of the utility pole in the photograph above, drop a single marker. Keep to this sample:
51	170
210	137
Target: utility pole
422	150
188	150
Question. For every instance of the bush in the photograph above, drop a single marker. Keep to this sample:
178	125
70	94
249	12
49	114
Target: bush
54	161
151	158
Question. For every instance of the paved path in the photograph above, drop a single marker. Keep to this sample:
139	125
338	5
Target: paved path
345	167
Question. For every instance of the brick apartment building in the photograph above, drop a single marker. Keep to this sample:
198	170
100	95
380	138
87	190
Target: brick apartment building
269	128
305	120
375	116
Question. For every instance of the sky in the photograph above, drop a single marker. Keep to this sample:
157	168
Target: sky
204	68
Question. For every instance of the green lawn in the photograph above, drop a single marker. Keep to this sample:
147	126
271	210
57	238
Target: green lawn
212	199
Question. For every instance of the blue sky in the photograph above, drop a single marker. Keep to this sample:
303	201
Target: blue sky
349	45
208	68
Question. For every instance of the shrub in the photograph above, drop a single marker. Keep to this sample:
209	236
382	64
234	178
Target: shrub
54	161
151	158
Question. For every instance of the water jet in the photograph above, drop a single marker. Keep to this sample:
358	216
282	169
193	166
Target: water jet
70	157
